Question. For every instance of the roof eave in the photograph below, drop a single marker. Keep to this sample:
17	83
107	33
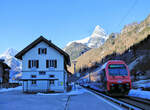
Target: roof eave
21	53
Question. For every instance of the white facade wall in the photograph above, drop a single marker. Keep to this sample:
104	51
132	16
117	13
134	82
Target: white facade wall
32	54
43	85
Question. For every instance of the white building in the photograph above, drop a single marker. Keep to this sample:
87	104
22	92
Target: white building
43	67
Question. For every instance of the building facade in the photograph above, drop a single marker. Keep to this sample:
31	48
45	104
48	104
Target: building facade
4	72
43	67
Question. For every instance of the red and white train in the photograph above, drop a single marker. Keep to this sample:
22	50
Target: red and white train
112	78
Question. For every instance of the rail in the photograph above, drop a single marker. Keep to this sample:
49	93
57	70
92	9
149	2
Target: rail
138	102
120	103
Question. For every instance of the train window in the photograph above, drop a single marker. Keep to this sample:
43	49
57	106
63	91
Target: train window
117	70
116	66
103	75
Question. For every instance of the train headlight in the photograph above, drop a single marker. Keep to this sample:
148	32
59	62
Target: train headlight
112	84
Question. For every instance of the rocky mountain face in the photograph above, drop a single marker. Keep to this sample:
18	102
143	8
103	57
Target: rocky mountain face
129	27
77	48
11	61
97	38
129	36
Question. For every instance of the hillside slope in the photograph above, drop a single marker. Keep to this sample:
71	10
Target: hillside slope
76	49
130	35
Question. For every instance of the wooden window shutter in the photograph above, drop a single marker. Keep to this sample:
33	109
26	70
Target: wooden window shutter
39	50
47	63
32	63
55	63
37	63
29	64
45	50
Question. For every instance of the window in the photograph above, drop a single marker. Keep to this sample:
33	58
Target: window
33	63
51	63
42	72
117	70
42	50
51	82
33	76
51	76
33	82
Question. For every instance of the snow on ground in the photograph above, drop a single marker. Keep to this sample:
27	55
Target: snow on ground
142	84
139	93
77	91
11	89
14	99
143	81
40	101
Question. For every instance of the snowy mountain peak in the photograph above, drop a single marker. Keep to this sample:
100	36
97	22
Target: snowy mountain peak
95	40
10	60
98	32
10	52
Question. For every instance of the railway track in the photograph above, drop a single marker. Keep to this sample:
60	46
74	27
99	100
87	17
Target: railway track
137	102
128	102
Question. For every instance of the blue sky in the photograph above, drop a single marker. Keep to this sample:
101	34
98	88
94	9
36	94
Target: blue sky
22	21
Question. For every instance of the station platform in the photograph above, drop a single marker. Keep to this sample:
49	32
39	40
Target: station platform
89	101
77	99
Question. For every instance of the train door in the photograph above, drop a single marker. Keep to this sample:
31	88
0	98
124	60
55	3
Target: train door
104	81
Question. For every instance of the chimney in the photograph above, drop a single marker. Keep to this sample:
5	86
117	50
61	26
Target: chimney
50	41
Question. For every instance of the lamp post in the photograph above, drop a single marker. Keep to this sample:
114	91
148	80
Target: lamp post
74	62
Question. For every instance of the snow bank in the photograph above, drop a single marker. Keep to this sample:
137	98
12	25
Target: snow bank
140	94
77	91
142	84
50	94
143	81
11	89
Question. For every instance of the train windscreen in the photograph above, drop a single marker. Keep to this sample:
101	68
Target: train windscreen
117	70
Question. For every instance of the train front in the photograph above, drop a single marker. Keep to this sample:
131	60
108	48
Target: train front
118	78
